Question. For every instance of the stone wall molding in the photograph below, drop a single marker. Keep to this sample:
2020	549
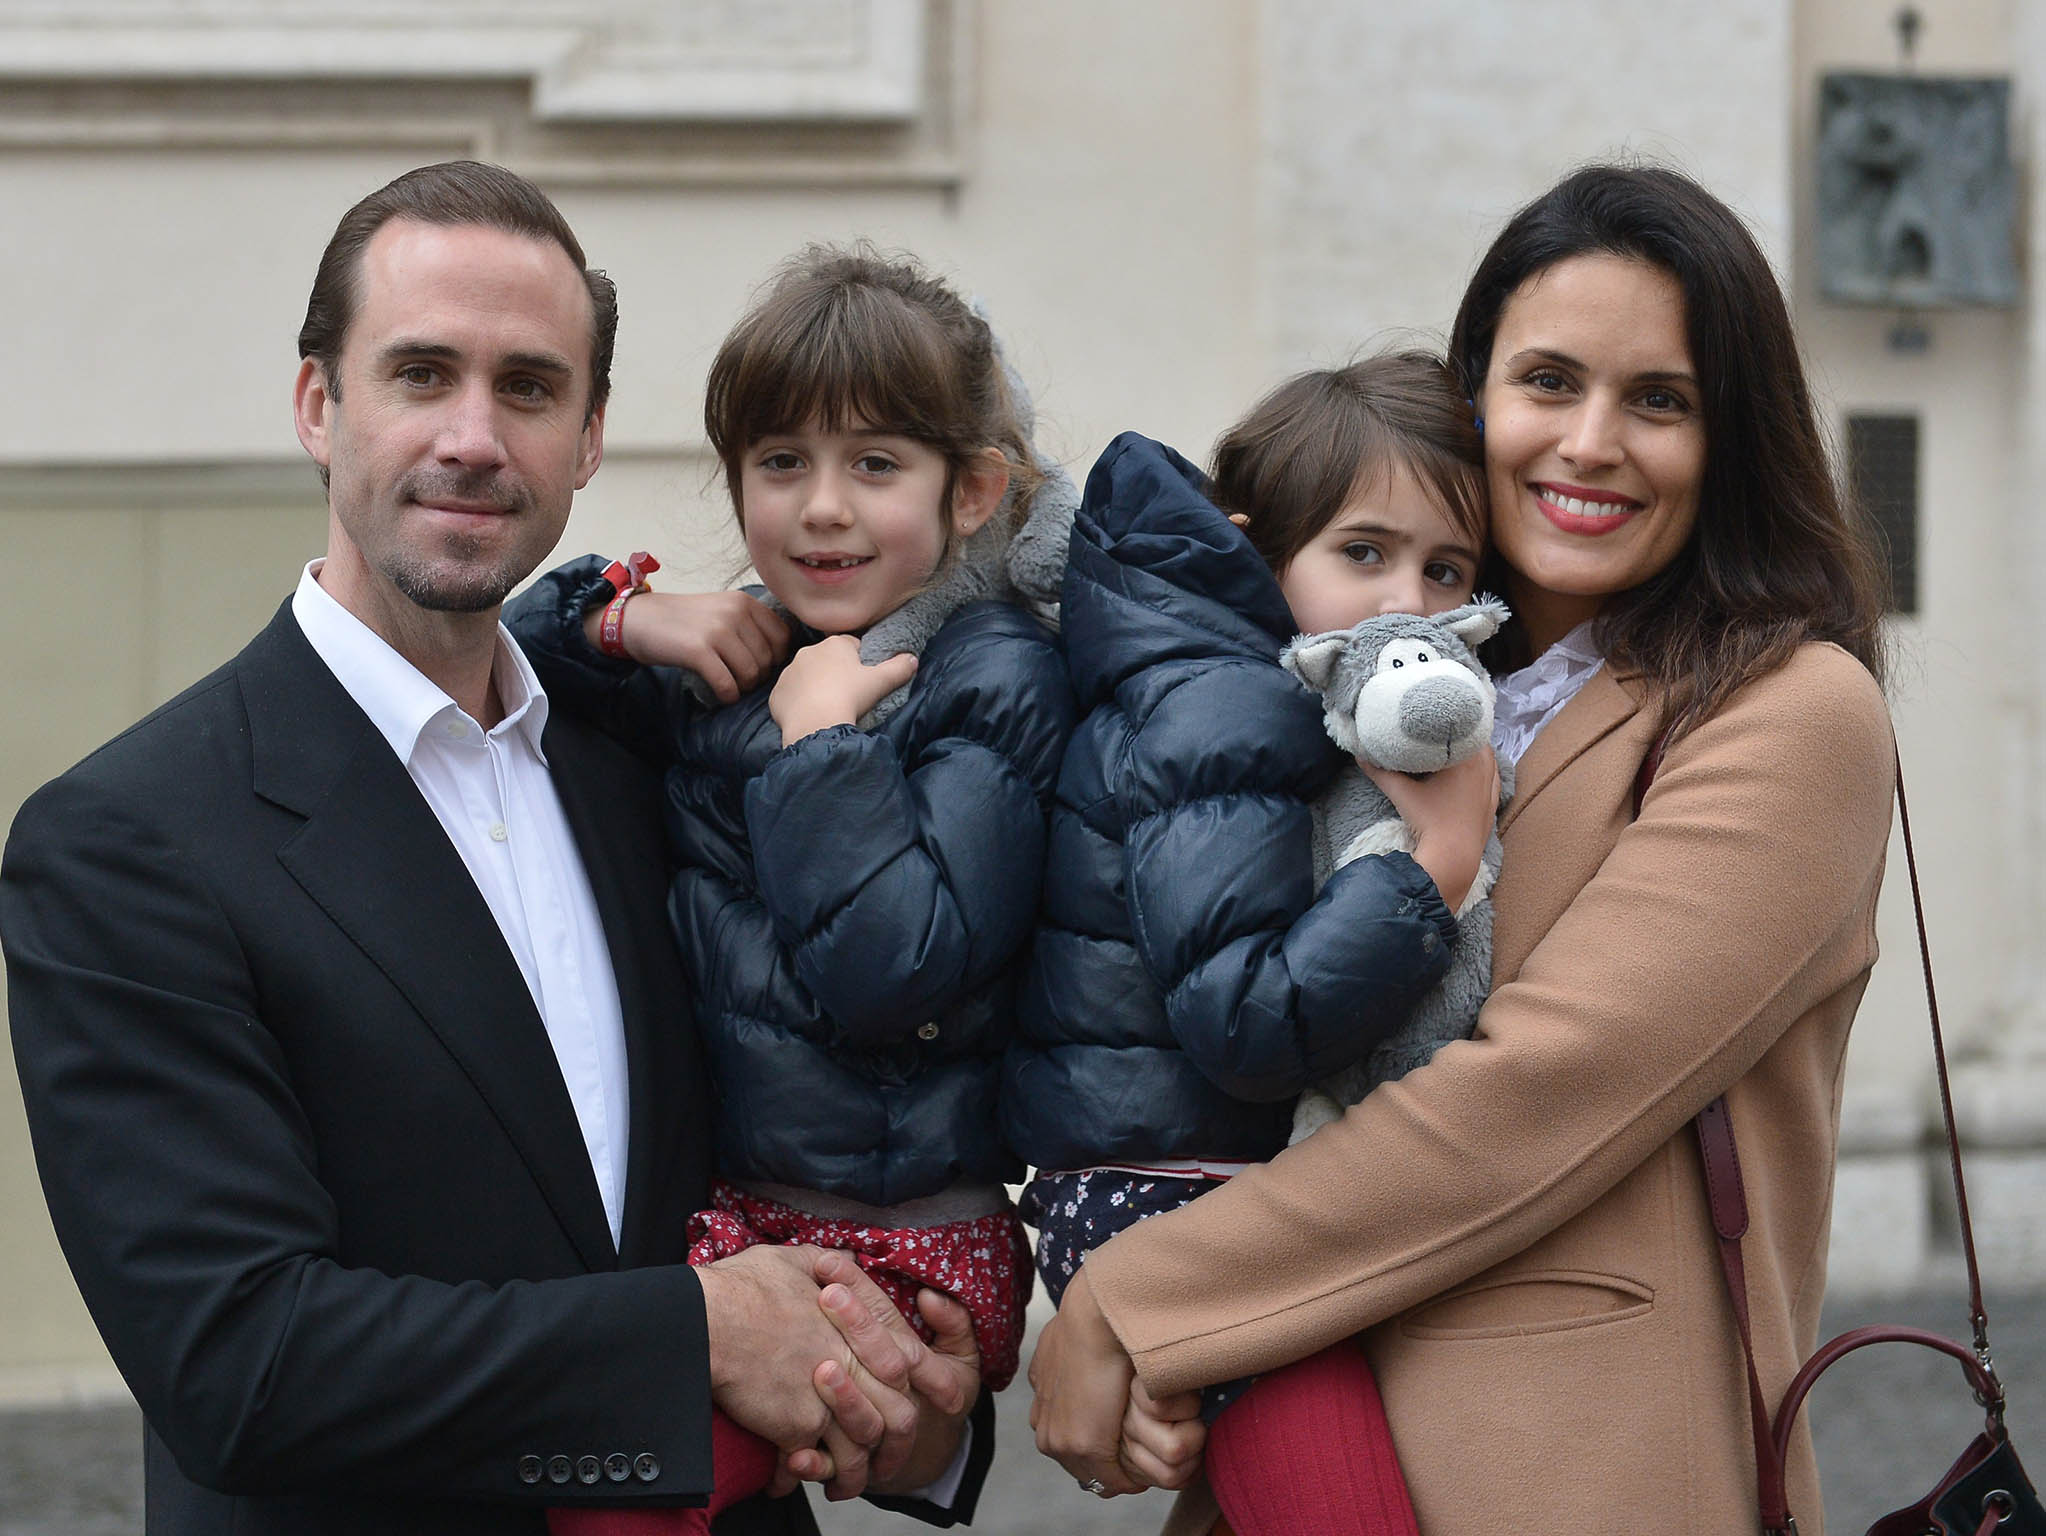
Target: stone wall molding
585	60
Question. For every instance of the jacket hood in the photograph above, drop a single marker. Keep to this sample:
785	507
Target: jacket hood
1158	573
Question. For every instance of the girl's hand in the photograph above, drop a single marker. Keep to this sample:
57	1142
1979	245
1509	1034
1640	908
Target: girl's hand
1082	1377
828	685
1162	1437
1451	812
728	639
942	1380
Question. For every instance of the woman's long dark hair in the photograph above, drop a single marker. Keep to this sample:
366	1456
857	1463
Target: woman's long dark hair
1779	555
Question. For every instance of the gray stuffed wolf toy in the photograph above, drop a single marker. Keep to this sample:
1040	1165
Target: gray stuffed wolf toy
1404	692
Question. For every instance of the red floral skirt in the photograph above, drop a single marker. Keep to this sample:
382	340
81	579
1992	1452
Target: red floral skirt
983	1263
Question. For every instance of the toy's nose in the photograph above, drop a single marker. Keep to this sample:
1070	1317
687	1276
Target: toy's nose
1441	709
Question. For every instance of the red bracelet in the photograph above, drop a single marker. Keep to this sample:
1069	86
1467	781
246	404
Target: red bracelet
626	576
611	631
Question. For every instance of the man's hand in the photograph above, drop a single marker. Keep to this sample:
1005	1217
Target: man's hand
728	639
781	1367
1082	1376
827	684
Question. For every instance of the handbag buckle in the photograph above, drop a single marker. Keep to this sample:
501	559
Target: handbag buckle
1993	1400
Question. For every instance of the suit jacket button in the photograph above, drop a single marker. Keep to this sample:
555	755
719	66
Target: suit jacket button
559	1469
927	1030
588	1469
646	1466
530	1469
618	1466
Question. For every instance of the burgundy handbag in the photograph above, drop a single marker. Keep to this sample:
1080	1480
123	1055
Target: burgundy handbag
1986	1488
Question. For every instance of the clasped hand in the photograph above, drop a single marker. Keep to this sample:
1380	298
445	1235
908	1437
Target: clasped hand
806	1351
1095	1418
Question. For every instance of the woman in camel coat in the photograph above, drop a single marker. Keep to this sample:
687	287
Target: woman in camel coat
1519	1229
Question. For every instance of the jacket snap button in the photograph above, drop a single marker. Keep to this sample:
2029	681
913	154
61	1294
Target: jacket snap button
559	1469
928	1030
618	1466
530	1469
588	1469
646	1466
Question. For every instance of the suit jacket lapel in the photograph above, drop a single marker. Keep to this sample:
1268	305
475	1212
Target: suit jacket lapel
1602	706
375	858
626	858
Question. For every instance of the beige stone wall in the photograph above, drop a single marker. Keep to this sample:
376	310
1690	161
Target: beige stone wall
1398	138
116	589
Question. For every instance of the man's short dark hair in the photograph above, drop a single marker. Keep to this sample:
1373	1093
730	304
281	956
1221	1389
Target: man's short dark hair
455	192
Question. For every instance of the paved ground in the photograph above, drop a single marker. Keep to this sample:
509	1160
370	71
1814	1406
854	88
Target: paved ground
1886	1428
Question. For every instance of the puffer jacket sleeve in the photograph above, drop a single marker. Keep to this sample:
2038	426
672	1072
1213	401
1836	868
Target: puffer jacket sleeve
638	706
1268	985
901	869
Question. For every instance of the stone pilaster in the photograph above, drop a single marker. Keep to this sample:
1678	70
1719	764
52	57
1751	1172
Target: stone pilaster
1999	1084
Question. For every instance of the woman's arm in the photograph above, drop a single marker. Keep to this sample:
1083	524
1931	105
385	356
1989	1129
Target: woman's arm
1741	898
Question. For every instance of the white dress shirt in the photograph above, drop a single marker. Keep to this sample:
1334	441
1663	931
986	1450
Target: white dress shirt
492	794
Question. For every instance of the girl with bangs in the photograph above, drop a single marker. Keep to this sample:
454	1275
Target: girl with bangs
860	755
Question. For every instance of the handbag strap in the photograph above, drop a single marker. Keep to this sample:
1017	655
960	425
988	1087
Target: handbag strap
1726	1197
1977	1315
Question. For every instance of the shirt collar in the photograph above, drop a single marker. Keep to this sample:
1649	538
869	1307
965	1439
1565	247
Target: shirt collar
399	699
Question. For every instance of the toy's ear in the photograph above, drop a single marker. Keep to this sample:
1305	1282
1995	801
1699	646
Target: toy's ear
1312	658
1477	621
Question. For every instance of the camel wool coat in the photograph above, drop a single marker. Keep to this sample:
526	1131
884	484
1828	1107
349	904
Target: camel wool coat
1519	1228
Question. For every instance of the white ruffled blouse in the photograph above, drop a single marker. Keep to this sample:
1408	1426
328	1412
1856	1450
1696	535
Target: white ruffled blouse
1530	698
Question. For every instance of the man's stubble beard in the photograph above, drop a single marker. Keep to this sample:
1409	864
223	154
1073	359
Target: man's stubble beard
456	583
459	578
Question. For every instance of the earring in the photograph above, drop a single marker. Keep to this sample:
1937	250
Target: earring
1480	423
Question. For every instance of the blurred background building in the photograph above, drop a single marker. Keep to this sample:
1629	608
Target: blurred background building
1167	205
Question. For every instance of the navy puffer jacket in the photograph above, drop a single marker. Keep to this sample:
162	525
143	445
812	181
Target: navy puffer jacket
1187	980
852	909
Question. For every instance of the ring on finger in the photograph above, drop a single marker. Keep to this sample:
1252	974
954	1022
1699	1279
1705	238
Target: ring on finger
1093	1485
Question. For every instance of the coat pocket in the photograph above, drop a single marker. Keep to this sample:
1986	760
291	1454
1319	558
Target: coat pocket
1528	1302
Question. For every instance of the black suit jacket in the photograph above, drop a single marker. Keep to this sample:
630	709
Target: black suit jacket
306	1144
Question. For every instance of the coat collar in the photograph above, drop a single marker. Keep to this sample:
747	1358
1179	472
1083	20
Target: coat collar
1606	702
372	855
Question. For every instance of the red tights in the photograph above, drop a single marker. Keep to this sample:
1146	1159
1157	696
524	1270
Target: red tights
1307	1450
741	1464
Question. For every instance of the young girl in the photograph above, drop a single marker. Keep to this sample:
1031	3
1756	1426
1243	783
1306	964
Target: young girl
858	848
1188	980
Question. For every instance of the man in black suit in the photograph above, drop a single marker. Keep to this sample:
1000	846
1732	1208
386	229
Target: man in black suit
346	1014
